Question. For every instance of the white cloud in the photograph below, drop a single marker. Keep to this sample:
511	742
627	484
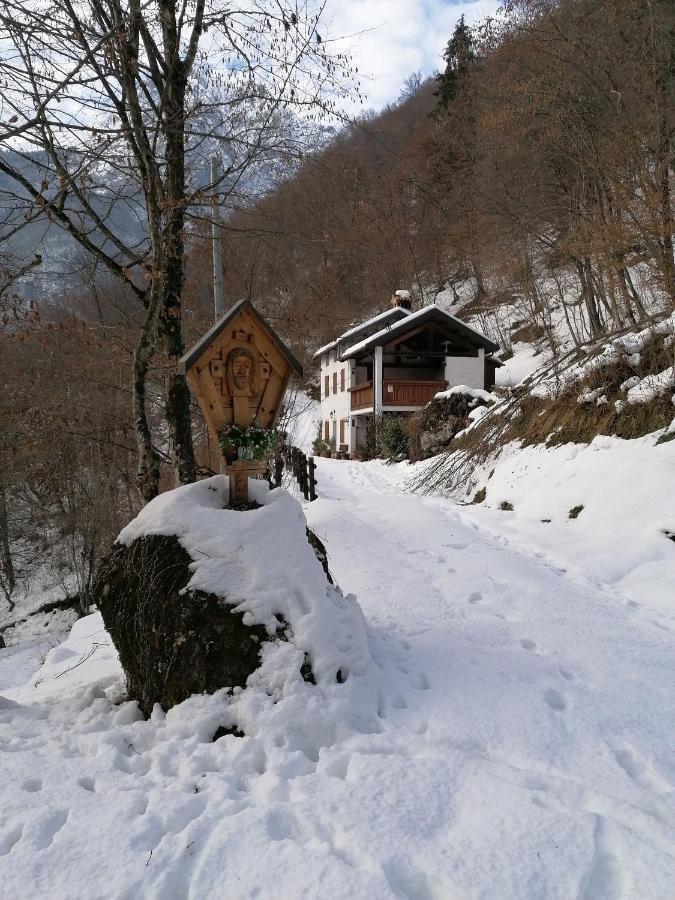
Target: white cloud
390	39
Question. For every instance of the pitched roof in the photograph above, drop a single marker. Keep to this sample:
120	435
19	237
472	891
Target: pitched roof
193	354
428	314
395	312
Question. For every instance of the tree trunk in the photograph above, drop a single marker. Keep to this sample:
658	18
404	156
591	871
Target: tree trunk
478	275
585	273
8	575
666	242
148	460
170	320
627	282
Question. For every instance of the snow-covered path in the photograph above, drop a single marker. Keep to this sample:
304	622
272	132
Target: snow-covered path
545	724
523	748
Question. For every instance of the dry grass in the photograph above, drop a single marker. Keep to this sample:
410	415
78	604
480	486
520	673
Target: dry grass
563	419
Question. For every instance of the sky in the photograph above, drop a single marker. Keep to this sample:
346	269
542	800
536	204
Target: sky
390	39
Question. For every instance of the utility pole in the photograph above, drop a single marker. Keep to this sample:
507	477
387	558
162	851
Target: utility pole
217	254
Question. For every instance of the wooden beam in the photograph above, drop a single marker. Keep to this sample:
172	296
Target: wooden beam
208	400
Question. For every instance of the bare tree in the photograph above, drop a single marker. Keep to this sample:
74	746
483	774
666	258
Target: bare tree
116	104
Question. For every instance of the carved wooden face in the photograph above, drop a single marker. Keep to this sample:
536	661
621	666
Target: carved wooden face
240	372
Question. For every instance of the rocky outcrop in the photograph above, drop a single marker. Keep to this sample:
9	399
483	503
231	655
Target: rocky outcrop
441	420
172	641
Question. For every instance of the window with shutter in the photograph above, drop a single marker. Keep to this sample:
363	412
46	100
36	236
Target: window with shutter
326	386
342	379
335	382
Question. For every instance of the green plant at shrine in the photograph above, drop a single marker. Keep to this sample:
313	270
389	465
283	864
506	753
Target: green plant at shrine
252	442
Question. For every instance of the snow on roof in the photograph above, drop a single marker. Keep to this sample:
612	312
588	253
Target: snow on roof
393	312
426	313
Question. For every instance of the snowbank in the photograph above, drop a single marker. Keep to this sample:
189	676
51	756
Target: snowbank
95	796
476	393
651	386
261	563
522	745
627	491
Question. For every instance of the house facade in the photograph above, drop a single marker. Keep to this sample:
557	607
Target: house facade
394	364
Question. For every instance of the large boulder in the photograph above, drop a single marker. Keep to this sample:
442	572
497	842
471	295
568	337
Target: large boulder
199	597
172	641
450	412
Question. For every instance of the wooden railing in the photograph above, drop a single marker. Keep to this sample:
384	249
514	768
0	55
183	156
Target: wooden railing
396	393
410	393
361	395
302	468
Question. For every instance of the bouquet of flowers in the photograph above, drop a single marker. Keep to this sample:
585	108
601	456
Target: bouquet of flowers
253	442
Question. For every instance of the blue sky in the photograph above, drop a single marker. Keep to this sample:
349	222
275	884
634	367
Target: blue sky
390	39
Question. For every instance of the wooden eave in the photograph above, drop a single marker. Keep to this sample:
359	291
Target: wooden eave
204	344
458	332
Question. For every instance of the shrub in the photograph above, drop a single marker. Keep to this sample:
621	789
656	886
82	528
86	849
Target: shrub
394	440
319	445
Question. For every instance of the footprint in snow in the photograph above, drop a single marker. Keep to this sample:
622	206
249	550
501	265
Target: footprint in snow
87	783
555	700
476	597
420	681
32	785
639	770
10	839
43	834
527	644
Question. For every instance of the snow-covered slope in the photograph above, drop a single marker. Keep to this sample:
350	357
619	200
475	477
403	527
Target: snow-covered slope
523	748
621	496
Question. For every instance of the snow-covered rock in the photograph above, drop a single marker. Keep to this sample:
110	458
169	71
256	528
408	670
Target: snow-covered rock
194	593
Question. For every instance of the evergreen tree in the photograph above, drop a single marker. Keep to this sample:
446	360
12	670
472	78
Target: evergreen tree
459	56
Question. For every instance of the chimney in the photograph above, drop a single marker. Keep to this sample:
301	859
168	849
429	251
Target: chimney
402	299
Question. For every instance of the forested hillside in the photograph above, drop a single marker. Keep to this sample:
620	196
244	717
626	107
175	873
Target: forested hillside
532	177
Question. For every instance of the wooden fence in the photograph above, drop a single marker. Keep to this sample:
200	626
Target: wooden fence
302	468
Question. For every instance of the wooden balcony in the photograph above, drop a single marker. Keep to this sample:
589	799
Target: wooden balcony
361	395
396	393
410	393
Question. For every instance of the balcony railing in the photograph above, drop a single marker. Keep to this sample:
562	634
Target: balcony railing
410	393
362	395
396	393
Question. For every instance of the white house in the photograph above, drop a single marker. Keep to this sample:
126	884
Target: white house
395	363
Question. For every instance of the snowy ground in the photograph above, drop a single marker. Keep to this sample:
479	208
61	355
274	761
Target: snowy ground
524	746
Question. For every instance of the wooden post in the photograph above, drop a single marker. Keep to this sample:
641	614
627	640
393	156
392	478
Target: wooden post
278	469
311	467
240	471
305	483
